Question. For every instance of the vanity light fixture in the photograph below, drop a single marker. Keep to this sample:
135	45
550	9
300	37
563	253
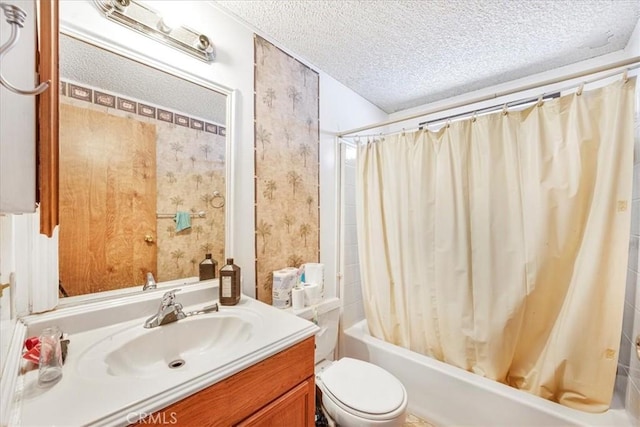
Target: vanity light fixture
149	22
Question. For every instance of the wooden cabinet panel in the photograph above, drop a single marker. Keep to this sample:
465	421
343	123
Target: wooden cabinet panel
295	408
48	134
288	375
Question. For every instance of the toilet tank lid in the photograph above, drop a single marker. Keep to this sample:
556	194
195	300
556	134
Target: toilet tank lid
363	386
322	307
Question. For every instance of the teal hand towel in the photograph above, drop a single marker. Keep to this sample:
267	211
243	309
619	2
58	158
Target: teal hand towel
183	221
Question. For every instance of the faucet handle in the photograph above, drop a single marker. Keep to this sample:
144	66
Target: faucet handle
169	297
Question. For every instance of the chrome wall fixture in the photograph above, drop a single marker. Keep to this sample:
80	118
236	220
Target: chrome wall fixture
16	17
149	22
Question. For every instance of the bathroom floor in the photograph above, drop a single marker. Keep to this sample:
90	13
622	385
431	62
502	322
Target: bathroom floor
413	421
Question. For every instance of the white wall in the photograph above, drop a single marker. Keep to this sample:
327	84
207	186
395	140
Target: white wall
6	260
17	154
18	132
340	109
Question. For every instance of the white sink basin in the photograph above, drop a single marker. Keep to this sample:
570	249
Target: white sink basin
175	347
112	354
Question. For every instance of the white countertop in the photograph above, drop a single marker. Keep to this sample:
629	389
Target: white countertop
81	398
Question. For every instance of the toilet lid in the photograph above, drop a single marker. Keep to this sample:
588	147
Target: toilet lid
365	387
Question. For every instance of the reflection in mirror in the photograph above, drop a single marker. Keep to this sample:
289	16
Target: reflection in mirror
142	172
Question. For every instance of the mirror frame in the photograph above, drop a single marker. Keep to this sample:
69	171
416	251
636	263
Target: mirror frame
47	113
231	124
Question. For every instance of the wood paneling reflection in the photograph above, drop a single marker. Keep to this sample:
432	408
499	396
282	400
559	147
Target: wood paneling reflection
107	200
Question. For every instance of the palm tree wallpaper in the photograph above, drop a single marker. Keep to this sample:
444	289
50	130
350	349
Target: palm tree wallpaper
191	167
287	164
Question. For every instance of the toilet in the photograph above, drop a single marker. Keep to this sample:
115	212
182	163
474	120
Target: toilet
354	392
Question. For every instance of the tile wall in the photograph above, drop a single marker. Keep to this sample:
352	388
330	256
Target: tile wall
629	362
353	310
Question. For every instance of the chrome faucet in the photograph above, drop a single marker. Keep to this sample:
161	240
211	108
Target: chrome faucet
168	312
150	283
171	311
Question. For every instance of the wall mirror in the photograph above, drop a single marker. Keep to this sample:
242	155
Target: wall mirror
143	171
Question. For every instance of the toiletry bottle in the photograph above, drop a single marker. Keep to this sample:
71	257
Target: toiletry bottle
208	268
229	283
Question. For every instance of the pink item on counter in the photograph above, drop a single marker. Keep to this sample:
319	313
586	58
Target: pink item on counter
32	353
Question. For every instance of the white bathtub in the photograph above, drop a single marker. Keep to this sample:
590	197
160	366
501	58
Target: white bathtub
447	396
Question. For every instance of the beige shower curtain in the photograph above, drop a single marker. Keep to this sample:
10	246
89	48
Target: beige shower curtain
499	245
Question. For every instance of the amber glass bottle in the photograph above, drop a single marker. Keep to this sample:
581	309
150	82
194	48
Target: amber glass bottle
207	268
229	283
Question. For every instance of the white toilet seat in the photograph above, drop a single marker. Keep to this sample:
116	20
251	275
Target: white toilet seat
363	390
365	415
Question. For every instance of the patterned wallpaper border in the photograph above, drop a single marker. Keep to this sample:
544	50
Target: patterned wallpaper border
98	97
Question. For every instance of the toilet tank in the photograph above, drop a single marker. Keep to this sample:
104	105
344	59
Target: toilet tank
326	315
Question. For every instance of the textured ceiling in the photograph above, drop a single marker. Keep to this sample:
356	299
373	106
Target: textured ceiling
88	64
401	53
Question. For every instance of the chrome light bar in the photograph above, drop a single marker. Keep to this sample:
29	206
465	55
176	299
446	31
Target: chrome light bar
147	21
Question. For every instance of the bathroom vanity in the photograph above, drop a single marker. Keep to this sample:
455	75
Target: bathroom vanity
279	390
243	365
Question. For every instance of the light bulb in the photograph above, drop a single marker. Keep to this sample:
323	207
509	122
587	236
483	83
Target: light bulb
203	42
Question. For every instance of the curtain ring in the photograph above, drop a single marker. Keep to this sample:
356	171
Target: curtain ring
504	110
448	123
402	131
220	203
625	76
540	102
474	117
580	89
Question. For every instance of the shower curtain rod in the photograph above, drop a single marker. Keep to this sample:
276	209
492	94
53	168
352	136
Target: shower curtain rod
627	64
466	114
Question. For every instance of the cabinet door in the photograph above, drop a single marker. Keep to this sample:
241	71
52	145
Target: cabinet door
294	408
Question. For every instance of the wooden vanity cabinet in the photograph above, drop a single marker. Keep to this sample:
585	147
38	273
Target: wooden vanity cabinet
279	391
291	409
